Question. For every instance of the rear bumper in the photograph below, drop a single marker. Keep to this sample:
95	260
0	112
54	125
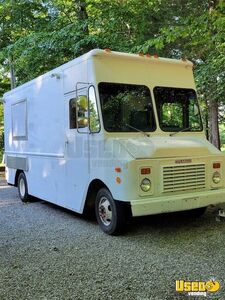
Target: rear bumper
151	206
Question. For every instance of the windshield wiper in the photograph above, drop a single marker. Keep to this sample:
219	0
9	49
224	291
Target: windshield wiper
182	130
145	133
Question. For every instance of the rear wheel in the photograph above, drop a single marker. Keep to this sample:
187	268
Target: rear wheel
22	187
110	214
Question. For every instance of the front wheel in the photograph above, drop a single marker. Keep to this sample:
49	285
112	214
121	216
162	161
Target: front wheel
22	187
110	214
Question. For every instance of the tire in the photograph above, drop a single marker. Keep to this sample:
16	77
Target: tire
110	214
22	188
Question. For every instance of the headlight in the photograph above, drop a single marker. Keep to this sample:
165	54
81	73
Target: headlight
145	185
216	177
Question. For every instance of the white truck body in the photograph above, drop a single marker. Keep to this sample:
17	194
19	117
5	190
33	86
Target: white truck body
64	164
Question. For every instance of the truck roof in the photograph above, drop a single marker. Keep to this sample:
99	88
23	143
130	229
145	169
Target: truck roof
105	53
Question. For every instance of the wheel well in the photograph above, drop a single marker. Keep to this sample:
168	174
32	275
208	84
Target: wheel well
17	176
93	189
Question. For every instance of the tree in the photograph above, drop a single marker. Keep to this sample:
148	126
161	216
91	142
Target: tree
197	31
40	35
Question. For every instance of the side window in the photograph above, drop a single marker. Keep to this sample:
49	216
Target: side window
72	112
19	120
94	121
83	112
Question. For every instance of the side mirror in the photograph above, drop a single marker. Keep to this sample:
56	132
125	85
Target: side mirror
82	103
82	112
82	122
94	116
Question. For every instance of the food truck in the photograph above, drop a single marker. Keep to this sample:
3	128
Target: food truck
115	133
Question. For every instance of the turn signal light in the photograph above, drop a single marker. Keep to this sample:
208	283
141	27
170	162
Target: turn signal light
118	170
145	171
118	180
216	165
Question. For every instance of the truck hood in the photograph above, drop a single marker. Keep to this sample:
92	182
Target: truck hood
156	147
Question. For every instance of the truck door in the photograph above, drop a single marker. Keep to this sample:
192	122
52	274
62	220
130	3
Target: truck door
76	147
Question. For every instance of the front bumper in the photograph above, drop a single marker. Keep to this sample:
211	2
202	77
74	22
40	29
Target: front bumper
164	204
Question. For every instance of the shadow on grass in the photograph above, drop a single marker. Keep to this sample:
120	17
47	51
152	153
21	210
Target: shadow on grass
175	221
165	221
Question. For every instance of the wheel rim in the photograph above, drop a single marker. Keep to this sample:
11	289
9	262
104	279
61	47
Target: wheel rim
105	211
22	187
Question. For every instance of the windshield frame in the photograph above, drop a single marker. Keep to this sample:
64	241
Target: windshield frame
185	129
136	130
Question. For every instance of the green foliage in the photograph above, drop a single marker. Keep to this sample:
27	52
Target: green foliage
196	30
222	136
55	31
94	118
4	83
172	115
39	35
199	35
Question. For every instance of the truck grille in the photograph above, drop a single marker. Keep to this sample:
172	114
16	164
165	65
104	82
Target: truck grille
183	178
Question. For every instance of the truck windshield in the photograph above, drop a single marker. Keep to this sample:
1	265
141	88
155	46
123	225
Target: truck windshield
178	109
126	107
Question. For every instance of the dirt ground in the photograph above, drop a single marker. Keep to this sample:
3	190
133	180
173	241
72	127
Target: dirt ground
47	252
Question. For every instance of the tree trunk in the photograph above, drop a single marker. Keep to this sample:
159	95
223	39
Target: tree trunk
206	117
214	136
12	74
212	5
82	15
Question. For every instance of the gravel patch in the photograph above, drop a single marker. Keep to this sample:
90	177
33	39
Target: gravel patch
47	252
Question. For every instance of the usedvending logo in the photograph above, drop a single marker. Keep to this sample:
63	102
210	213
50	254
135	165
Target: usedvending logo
197	288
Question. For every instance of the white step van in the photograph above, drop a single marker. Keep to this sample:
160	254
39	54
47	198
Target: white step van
115	132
